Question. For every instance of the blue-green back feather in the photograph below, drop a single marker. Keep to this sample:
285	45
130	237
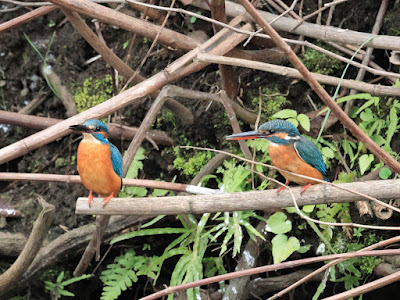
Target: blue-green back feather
309	152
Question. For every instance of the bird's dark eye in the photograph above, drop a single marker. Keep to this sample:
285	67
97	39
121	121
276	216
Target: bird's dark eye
272	131
98	128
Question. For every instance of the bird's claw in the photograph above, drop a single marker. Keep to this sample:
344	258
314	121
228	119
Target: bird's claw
305	188
106	200
90	198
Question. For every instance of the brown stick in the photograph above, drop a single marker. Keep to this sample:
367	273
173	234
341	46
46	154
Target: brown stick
324	33
151	184
342	116
167	37
198	204
32	105
380	244
152	13
27	17
65	96
116	131
373	89
24	260
268	268
227	73
371	286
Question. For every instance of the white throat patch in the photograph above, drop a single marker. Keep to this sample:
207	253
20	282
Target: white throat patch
89	138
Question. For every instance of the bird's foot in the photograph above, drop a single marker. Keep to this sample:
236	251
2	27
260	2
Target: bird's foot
108	199
304	188
90	198
283	186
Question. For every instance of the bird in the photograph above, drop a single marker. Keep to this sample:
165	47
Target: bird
289	151
99	161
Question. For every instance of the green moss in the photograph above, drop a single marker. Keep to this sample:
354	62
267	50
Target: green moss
321	63
272	101
190	165
93	92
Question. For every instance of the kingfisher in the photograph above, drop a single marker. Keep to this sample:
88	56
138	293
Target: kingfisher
289	151
99	161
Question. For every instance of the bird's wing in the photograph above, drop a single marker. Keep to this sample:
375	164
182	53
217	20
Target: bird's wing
116	160
309	152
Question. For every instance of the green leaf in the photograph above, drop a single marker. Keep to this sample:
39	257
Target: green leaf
60	277
76	279
294	122
159	193
346	177
308	208
392	126
278	223
377	138
283	247
385	173
365	162
146	232
66	293
327	152
193	19
125	45
136	164
285	114
367	104
367	115
304	249
155	220
304	121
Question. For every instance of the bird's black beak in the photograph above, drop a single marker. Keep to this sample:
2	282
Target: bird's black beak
249	135
82	128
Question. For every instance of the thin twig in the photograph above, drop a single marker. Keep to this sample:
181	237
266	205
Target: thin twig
268	268
291	72
380	244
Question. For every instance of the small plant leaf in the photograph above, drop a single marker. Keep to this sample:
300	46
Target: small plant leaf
294	122
283	247
278	223
327	152
385	173
365	162
308	208
285	114
304	121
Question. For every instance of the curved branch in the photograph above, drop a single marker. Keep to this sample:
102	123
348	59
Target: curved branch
13	275
269	268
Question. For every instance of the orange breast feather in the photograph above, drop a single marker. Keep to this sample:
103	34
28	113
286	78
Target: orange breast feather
96	170
286	157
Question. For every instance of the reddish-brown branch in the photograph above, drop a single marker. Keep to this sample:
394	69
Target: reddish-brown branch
269	268
27	17
116	131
